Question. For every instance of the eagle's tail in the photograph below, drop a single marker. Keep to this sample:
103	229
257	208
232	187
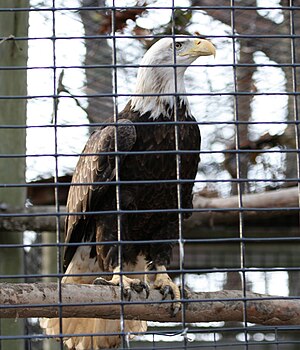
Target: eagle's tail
97	331
88	333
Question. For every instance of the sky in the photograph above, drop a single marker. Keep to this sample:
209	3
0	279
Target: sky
41	140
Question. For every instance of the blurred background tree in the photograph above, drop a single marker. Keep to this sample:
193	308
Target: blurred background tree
13	82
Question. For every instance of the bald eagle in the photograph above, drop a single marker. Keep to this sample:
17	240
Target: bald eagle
146	164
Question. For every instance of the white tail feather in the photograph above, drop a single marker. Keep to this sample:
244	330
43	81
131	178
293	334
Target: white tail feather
97	328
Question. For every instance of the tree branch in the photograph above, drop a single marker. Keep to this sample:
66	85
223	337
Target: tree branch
244	19
279	201
37	218
42	300
218	211
250	22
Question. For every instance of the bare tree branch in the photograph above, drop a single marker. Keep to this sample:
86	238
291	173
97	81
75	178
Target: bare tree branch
246	22
279	201
62	88
38	218
42	300
43	218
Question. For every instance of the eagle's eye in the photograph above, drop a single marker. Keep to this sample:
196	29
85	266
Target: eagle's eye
178	46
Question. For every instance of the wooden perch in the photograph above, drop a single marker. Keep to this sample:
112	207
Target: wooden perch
36	218
227	211
276	203
41	300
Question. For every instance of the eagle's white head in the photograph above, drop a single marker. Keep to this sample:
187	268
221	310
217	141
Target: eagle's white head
157	73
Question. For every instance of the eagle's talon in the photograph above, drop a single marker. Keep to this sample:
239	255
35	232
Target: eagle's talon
147	289
175	308
142	286
137	287
167	287
165	291
99	281
127	293
128	285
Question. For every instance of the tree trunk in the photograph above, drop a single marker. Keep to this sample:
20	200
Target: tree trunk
244	84
243	114
286	47
12	170
98	52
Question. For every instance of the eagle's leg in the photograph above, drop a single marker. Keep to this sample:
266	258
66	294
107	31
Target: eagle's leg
166	286
128	284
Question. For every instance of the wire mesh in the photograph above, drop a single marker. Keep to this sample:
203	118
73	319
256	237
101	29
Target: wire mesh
83	58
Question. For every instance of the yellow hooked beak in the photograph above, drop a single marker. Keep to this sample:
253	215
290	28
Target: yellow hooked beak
200	47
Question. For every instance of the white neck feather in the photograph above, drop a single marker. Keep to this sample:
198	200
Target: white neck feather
158	80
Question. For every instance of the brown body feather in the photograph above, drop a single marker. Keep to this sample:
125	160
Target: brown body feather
132	137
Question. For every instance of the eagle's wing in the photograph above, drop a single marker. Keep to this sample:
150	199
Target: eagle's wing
95	166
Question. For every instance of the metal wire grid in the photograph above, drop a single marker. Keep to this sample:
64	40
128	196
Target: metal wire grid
184	330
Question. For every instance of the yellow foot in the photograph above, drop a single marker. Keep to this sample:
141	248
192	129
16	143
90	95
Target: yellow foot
128	284
166	286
